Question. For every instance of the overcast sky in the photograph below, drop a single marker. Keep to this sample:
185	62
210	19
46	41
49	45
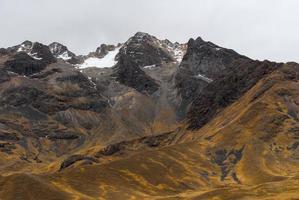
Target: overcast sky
260	29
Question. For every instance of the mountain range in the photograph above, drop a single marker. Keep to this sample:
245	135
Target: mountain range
147	119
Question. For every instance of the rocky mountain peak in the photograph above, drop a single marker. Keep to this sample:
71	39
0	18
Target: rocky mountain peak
203	63
36	50
57	48
103	50
60	51
29	58
142	36
199	40
41	52
142	49
207	59
147	50
25	46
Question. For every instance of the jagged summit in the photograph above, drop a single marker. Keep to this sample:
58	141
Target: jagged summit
25	46
144	47
61	51
156	51
104	49
36	50
141	37
141	34
203	63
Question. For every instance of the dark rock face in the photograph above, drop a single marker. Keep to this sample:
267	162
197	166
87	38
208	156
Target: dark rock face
31	60
109	150
29	96
46	103
92	105
144	50
23	64
62	136
227	160
88	87
188	89
203	62
42	51
237	79
42	129
129	74
207	59
95	101
154	141
103	50
77	78
75	158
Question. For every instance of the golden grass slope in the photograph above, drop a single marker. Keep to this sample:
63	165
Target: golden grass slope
248	151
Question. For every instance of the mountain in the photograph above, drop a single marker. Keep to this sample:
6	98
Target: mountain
146	119
60	51
203	63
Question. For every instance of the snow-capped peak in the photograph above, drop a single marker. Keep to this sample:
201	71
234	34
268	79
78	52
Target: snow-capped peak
142	40
27	47
60	51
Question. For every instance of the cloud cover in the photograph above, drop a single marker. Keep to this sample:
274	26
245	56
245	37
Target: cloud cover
260	29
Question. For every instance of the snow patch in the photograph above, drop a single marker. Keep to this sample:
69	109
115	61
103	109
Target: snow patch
34	56
92	82
175	49
204	78
107	61
64	56
178	54
150	67
25	48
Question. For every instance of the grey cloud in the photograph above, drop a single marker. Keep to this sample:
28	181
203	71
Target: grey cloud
261	29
